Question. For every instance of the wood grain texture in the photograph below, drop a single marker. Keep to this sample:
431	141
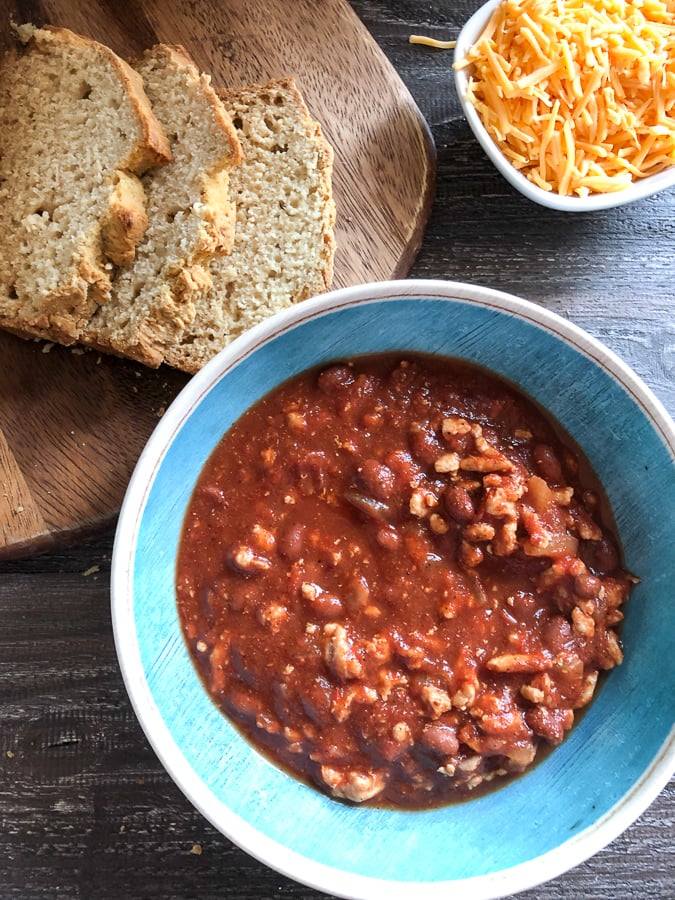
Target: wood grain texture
73	426
86	810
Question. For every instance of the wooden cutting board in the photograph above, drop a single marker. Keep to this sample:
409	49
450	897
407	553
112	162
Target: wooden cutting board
73	424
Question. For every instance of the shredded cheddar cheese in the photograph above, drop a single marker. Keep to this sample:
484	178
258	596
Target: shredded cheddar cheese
578	94
431	42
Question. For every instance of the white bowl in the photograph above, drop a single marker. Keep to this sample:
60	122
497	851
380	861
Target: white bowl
616	759
637	190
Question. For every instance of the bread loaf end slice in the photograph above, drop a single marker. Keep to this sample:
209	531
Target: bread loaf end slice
76	129
284	240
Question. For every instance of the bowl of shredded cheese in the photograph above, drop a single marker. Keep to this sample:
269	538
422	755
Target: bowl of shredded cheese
573	100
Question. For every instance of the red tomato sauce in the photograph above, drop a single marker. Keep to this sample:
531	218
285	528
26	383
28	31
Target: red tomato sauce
395	578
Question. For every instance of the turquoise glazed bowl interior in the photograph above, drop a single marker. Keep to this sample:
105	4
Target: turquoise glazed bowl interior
615	760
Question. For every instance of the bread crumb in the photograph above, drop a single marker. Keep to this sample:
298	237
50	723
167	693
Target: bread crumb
10	754
91	571
47	347
196	849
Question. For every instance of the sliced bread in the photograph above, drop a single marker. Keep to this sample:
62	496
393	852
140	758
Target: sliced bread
284	242
190	215
76	129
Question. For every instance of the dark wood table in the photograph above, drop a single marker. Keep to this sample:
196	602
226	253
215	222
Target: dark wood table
86	809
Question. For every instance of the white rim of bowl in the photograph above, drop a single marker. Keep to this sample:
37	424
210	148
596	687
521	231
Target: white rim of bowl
268	851
638	190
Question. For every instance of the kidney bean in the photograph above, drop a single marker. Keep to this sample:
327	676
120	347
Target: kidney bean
547	463
322	603
376	479
605	555
239	666
587	585
210	601
388	537
390	749
291	541
316	701
282	707
404	467
358	592
215	494
335	379
243	703
559	633
424	444
442	739
458	504
550	723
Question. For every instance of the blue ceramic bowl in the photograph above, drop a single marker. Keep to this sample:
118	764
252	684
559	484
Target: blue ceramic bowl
583	794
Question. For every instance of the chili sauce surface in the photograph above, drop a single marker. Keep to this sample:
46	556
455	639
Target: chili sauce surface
395	578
